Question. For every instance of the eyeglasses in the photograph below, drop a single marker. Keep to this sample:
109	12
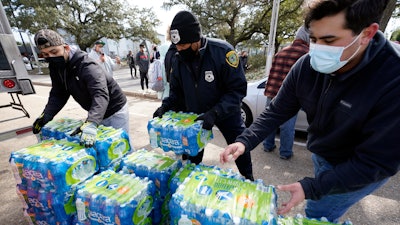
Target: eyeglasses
42	41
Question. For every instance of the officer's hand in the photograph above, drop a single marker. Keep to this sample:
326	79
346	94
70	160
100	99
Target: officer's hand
160	111
208	119
88	134
40	122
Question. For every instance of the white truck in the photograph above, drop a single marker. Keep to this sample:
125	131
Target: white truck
14	78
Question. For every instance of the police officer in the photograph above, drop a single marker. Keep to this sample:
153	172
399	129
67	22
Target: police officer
207	79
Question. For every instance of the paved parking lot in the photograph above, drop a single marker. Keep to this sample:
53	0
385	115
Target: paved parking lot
383	207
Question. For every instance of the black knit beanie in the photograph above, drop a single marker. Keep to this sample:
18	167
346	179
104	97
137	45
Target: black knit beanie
185	28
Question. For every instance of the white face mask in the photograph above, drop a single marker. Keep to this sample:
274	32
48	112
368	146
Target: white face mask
326	59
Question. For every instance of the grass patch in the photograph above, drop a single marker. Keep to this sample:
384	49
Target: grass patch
255	74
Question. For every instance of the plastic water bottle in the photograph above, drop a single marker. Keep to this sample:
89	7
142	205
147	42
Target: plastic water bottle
153	138
15	169
58	207
177	139
109	211
58	172
94	209
81	210
184	220
125	213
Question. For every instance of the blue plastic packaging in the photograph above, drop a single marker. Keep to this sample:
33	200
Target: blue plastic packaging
178	132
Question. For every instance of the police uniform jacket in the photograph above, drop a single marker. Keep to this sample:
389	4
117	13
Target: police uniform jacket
216	82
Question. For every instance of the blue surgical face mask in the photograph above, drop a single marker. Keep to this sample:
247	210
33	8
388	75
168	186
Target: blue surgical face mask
326	59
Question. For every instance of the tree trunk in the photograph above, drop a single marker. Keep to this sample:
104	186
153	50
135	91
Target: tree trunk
387	14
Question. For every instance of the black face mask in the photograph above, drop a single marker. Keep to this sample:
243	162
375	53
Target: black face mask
57	62
188	54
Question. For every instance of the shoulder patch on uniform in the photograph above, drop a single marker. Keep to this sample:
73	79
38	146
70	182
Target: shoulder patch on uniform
232	59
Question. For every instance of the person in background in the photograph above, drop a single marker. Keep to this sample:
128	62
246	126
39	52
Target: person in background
155	54
142	60
163	52
169	58
207	79
281	65
349	87
243	60
75	74
131	62
105	61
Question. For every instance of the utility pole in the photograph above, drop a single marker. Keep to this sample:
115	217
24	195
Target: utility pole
272	35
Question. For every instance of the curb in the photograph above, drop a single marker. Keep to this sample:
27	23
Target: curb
140	95
127	93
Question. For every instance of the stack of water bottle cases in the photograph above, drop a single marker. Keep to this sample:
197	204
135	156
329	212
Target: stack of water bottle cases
61	182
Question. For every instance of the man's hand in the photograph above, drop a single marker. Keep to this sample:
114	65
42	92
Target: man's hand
40	122
208	119
236	149
160	112
297	196
102	57
88	134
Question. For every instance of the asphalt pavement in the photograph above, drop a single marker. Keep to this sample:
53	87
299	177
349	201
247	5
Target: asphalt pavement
382	207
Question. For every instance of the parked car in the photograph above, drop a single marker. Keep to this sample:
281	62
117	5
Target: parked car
254	103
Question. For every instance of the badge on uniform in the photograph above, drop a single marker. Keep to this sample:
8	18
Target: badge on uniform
175	38
232	59
209	76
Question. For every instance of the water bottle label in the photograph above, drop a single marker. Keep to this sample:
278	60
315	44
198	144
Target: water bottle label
222	194
118	149
81	170
143	210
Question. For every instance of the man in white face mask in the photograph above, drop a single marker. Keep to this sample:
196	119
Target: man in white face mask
348	85
328	59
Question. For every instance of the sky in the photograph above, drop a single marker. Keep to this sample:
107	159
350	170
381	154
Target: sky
166	17
163	15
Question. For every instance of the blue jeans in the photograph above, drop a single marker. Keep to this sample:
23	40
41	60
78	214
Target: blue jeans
120	119
334	206
286	136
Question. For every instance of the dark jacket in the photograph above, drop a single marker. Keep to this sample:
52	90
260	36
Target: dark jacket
216	85
354	118
130	60
88	84
169	60
142	61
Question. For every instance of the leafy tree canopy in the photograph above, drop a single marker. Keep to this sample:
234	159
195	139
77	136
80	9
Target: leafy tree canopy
247	22
84	20
242	21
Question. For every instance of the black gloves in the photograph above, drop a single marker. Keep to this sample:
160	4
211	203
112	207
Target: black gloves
160	111
208	119
40	122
